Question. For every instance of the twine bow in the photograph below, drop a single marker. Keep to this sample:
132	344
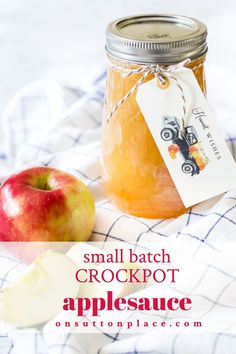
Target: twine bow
161	73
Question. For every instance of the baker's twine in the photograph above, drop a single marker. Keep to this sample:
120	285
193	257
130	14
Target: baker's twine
161	73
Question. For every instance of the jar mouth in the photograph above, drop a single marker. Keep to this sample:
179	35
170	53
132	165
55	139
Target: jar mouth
155	59
156	38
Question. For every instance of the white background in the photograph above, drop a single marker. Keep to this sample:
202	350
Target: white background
64	39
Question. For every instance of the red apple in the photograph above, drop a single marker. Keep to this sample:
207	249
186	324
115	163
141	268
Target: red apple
45	204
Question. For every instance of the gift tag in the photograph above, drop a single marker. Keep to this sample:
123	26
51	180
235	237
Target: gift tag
195	152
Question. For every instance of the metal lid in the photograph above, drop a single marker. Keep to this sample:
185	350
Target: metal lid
156	38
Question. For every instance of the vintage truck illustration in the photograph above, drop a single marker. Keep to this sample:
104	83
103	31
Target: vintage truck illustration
185	142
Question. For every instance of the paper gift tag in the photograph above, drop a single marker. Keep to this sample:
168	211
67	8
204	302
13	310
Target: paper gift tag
196	155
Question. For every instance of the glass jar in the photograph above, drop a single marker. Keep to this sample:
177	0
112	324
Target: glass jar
135	176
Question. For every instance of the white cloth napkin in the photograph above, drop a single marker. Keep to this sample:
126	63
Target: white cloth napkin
60	126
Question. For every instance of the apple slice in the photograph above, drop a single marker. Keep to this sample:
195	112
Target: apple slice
37	295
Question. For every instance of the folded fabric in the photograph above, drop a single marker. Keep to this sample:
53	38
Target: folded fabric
50	125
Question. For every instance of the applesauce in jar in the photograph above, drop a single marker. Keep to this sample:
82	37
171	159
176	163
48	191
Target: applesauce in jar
135	176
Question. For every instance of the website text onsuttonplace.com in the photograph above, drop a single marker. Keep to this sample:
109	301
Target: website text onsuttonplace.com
135	324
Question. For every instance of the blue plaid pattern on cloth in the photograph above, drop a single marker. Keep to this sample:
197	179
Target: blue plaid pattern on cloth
50	125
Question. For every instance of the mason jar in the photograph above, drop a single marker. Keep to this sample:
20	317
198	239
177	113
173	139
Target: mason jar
135	176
